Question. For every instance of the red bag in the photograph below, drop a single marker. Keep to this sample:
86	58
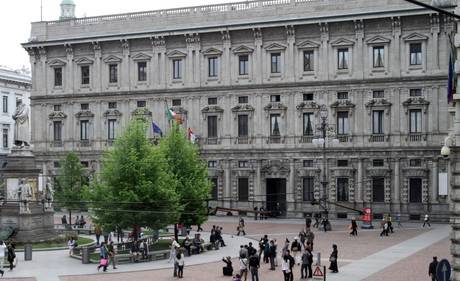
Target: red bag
104	262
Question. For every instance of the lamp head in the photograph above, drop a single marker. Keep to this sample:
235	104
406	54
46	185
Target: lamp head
445	151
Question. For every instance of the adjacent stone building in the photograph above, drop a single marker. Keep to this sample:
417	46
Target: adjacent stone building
249	78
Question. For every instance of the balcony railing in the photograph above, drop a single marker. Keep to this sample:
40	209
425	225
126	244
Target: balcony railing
85	143
415	137
274	139
212	141
306	139
242	140
377	138
343	138
57	143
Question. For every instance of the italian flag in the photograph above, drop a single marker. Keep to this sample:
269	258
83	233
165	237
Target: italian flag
191	136
171	114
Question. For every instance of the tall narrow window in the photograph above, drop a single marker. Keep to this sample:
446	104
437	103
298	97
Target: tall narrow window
212	126
111	129
57	131
84	130
415	193
243	189
177	69
377	122
5	104
214	189
58	76
378	189
308	189
5	138
113	73
142	71
415	50
308	124
243	64
342	189
342	58
342	123
275	62
415	122
308	60
274	125
243	125
212	67
379	52
85	74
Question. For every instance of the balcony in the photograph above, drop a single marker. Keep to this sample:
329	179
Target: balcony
377	138
242	140
110	142
306	139
56	143
85	143
415	137
274	139
212	141
343	138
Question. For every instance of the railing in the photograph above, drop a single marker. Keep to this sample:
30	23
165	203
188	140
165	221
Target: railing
306	139
242	140
377	138
217	8
343	138
415	137
85	143
274	139
57	143
212	141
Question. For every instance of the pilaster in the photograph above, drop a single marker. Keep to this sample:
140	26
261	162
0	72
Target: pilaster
395	63
97	71
289	74
158	68
69	70
226	65
192	75
258	65
358	68
125	69
324	51
42	79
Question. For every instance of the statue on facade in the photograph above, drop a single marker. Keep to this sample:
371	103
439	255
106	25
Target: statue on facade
21	126
48	196
24	195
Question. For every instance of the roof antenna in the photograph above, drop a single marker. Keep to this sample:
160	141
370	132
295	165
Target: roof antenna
41	10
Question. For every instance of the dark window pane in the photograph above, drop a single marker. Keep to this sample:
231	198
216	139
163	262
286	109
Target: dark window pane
415	186
308	61
243	125
212	101
377	122
84	130
243	65
214	188
415	53
212	67
342	58
58	76
141	103
275	63
176	102
308	189
308	97
113	73
243	189
274	125
243	99
177	69
212	126
308	124
275	98
5	104
142	71
57	130
378	189
342	189
85	75
378	94
112	104
378	56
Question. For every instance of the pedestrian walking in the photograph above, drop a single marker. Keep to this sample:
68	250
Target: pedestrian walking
333	259
71	245
426	220
398	220
103	254
286	268
354	227
384	228
290	274
120	234
11	255
180	261
64	220
98	232
244	267
2	256
272	255
390	223
254	265
307	261
325	223
198	228
112	251
317	217
310	237
295	250
255	212
432	269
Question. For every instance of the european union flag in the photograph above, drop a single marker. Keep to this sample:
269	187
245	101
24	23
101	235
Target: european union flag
156	129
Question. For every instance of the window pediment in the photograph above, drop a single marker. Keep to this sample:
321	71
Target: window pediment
243	50
275	47
57	63
378	40
342	42
275	107
308	44
84	114
343	104
176	54
141	112
416	102
415	37
112	113
307	105
57	115
378	172
112	59
212	52
381	103
243	108
212	109
84	61
275	168
141	57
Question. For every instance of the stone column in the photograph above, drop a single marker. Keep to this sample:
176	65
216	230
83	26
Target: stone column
42	79
258	64
289	74
257	184
125	71
324	49
159	69
396	47
97	67
359	190
433	197
225	67
227	184
358	54
69	69
395	198
433	56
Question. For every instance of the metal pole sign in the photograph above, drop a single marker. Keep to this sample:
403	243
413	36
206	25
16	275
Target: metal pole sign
443	270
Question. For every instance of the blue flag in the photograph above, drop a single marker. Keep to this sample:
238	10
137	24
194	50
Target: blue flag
156	129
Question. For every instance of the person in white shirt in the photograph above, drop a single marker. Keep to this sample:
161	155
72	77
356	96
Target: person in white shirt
286	268
243	267
2	256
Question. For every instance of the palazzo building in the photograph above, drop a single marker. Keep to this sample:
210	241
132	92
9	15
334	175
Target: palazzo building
249	79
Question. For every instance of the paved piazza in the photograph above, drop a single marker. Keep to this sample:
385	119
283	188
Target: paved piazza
403	256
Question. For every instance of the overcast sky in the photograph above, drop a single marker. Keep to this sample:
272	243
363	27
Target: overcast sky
16	16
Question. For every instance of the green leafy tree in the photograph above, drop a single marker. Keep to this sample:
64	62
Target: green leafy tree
191	174
70	181
134	187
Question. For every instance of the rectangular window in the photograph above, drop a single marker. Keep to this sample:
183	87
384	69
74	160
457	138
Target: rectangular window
5	104
308	61
342	95
275	62
379	56
177	69
415	92
57	107
56	164
415	162
84	106
243	62
84	130
415	53
308	163
308	124
378	189
111	129
212	67
212	164
377	163
243	99
275	98
342	123
308	189
5	138
214	190
212	126
113	73
85	75
342	58
274	125
243	125
377	122
176	102
308	97
378	94
85	164
415	123
342	189
243	189
141	103
415	193
57	131
342	163
112	104
58	76
212	101
243	164
142	71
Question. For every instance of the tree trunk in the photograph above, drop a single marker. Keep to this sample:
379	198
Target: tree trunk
70	218
176	233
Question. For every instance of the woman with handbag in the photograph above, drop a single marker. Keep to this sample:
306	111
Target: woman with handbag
104	262
333	259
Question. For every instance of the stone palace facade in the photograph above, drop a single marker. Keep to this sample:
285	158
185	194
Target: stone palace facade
249	78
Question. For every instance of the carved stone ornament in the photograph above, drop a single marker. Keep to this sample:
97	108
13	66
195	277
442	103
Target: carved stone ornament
193	38
158	41
212	109
243	50
112	113
275	168
307	106
416	102
275	107
342	105
57	115
373	103
141	112
84	114
243	108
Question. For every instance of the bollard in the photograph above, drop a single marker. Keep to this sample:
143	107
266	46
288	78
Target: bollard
28	252
85	255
